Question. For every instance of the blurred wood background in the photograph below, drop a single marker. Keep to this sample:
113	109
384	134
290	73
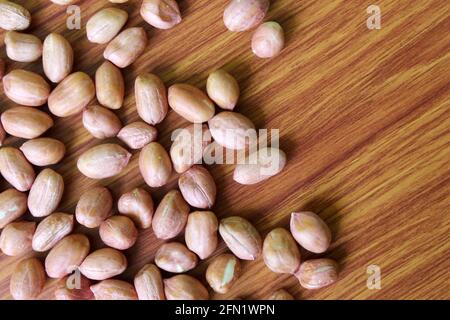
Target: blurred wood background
364	117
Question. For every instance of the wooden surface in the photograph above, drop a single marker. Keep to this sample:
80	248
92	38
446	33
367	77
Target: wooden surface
364	117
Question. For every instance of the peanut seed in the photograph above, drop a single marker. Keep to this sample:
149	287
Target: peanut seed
51	230
317	273
124	49
22	47
114	290
223	272
43	151
198	187
57	57
175	257
155	165
280	251
26	122
310	231
103	264
16	238
223	89
201	233
170	216
101	122
13	16
94	207
104	25
13	204
137	135
118	232
26	88
161	14
16	169
151	98
27	280
148	283
137	205
184	287
109	85
241	15
268	40
45	193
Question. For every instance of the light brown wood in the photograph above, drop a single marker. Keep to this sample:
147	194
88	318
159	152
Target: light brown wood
364	117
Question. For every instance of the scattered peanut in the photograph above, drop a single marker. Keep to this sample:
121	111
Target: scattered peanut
13	204
77	290
22	47
280	251
109	86
223	89
175	257
94	207
161	14
137	205
124	49
113	289
155	165
241	15
151	98
101	122
103	161
310	231
16	238
191	103
232	130
223	272
148	283
43	151
103	264
118	232
66	255
317	273
51	230
57	57
170	216
27	280
13	16
137	135
201	233
268	40
26	122
71	95
198	187
15	168
184	287
26	88
45	193
259	166
241	237
104	25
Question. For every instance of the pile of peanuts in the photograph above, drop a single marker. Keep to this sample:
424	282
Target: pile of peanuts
72	95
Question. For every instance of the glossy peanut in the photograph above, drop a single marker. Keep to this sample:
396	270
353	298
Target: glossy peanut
184	287
137	135
223	89
118	232
15	169
45	193
310	231
105	24
16	238
148	283
137	205
317	273
22	47
268	40
198	187
161	14
51	230
151	98
43	151
13	204
94	207
109	86
27	280
57	57
241	15
13	16
155	165
223	272
113	289
102	123
280	251
103	264
201	233
26	122
175	257
26	88
124	49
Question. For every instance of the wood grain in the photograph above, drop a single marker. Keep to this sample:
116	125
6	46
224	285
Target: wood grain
364	117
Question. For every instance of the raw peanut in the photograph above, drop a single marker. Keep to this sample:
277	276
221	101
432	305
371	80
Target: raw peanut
63	2
137	205
101	122
198	187
137	135
189	145
57	57
43	151
118	232
281	294
2	68
241	237
232	130
16	238
45	193
317	273
103	264
223	272
26	88
148	283
25	122
280	251
268	40
74	289
201	233
94	207
16	169
151	98
170	216
13	204
223	89
241	15
184	287
191	103
52	229
104	25
175	257
71	95
114	290
67	255
109	86
155	165
103	161
22	47
259	166
118	1
161	14
28	279
310	231
124	49
13	16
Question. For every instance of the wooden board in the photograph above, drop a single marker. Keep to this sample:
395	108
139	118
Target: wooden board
364	117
